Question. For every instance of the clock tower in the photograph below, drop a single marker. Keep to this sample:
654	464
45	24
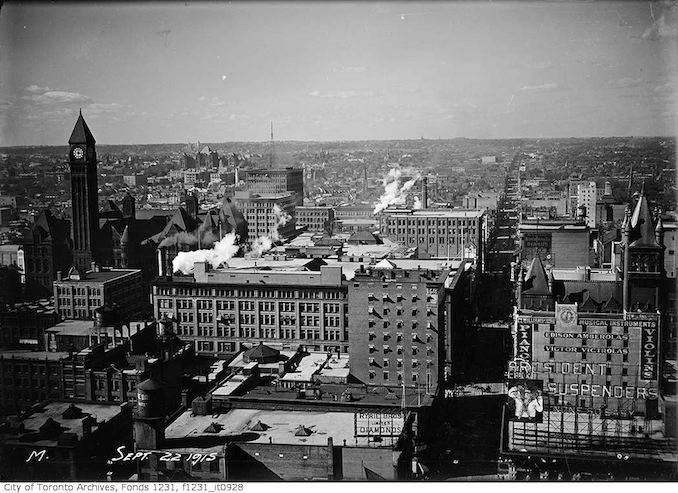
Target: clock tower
84	194
643	259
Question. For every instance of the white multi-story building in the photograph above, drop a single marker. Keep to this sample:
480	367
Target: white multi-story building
586	197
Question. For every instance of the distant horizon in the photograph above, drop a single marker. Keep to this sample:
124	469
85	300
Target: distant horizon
350	140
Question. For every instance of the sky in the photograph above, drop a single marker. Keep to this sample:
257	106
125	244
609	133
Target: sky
182	72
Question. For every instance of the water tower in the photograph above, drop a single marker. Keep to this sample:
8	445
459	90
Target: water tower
149	420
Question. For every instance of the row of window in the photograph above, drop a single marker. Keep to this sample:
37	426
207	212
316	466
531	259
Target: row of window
398	350
414	377
399	324
268	306
305	333
249	293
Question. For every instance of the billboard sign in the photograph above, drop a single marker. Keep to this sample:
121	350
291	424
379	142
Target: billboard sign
526	400
649	351
379	423
524	342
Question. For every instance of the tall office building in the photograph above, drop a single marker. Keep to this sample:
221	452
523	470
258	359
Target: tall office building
398	325
277	181
259	210
586	202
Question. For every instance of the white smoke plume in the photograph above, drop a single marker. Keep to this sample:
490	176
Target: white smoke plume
264	243
394	192
223	250
203	237
182	238
417	203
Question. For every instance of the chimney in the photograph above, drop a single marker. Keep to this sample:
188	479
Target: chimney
161	264
608	188
424	193
60	276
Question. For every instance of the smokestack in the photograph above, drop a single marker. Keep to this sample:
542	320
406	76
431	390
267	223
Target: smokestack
424	193
608	188
160	262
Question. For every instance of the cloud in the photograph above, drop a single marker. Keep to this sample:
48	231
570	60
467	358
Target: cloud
34	89
339	94
549	86
61	97
626	82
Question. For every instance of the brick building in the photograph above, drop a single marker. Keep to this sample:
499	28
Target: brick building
438	233
259	212
24	324
78	294
318	219
277	182
27	377
46	251
562	244
284	303
401	323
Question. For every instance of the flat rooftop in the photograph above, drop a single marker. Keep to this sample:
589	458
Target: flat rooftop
100	411
551	226
349	268
40	306
33	355
185	432
76	328
101	276
242	263
452	213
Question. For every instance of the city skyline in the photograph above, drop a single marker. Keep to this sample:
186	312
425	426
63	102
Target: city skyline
166	72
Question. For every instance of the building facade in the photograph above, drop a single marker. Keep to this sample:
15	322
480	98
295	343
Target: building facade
78	294
264	214
281	303
397	326
319	219
23	325
276	182
437	233
558	243
28	376
587	194
46	251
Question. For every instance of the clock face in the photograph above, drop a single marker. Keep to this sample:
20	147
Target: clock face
78	153
567	315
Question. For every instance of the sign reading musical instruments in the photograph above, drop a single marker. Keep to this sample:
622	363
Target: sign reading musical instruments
585	359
